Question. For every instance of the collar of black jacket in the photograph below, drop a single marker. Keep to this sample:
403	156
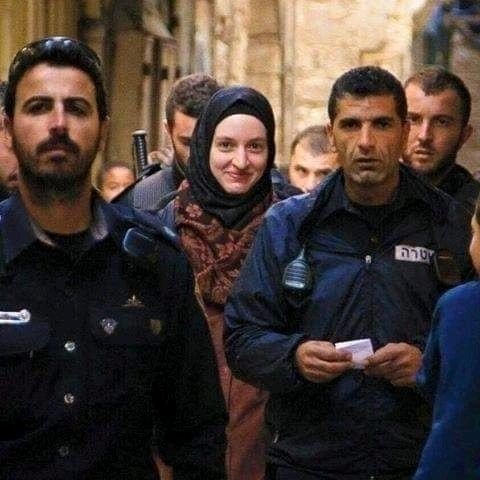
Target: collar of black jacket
19	230
331	197
456	178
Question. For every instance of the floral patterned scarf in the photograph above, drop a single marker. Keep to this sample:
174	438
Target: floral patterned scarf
216	253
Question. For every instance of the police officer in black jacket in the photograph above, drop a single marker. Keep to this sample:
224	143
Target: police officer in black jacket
101	340
364	257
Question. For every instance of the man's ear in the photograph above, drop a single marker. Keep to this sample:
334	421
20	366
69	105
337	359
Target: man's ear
6	129
329	131
104	127
405	133
6	123
167	128
467	131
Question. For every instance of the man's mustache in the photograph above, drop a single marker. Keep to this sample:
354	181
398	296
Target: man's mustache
60	141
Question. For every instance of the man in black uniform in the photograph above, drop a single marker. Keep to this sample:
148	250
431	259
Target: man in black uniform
362	259
98	345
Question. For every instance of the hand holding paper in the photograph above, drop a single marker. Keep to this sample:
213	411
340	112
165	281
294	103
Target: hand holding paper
320	362
360	350
396	362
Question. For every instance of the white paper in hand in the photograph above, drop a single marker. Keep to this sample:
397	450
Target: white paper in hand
360	350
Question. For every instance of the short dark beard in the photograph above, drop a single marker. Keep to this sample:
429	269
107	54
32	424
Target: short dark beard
436	176
47	188
178	169
50	188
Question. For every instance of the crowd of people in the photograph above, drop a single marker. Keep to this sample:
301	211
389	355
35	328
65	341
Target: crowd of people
219	320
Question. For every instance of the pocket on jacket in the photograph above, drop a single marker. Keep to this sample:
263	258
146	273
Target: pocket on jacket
20	345
128	344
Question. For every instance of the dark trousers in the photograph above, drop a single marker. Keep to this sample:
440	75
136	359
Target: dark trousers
275	472
282	473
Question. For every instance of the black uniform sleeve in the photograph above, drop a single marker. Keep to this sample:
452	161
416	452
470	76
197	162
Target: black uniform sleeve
191	410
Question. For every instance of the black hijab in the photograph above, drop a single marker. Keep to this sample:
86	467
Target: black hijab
232	210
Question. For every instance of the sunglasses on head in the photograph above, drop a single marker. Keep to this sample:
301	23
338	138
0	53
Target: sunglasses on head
51	45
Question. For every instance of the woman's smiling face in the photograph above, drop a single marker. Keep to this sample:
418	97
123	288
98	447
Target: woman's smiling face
239	153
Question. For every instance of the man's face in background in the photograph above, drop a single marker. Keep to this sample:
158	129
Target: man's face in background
8	160
307	170
115	180
436	131
180	133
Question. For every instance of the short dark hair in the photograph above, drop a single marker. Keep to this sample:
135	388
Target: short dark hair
106	167
316	137
61	51
3	88
189	95
365	82
436	79
477	210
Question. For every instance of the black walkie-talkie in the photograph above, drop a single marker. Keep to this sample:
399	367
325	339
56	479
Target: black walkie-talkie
297	276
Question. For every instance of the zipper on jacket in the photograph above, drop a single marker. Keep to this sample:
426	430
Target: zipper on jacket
368	260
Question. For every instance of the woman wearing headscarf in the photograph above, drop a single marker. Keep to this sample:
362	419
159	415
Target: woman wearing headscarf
217	212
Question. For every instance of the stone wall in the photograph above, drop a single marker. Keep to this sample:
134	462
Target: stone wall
22	21
247	48
465	63
332	36
293	50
